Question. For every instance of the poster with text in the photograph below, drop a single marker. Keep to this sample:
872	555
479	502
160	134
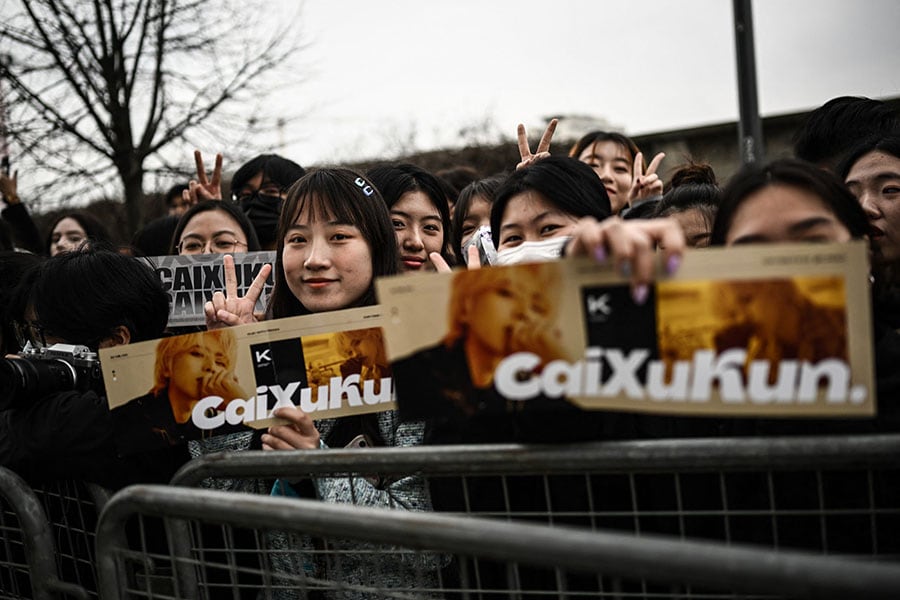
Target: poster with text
768	330
198	385
191	280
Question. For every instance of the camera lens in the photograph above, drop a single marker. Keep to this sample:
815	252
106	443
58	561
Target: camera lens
23	380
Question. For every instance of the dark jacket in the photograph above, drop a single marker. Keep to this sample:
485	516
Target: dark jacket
70	435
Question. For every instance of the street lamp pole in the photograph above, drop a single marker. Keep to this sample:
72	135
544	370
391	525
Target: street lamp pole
750	135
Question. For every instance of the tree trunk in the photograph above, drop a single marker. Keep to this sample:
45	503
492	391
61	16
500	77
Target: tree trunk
133	182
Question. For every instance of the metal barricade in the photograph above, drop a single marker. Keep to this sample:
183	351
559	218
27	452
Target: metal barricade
829	494
358	550
47	538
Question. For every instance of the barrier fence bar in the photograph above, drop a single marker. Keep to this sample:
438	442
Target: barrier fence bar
522	546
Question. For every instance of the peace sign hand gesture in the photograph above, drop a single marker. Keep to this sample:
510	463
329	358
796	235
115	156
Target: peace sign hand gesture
645	184
543	148
202	189
225	310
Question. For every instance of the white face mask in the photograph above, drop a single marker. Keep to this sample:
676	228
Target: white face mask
530	252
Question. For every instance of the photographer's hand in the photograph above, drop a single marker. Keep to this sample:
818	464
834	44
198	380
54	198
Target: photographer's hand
299	434
225	310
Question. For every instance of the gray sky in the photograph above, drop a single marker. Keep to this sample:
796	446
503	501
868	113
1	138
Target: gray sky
378	72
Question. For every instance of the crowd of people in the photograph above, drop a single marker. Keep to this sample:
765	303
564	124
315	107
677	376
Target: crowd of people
335	231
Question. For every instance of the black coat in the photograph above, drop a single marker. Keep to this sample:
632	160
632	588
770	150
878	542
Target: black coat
70	435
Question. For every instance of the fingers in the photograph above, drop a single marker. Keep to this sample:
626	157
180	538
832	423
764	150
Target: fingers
544	144
201	170
524	150
637	168
654	164
230	277
299	433
229	319
473	257
648	186
209	311
631	245
217	172
669	236
440	265
587	240
259	282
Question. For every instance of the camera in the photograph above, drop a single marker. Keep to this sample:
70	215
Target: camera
38	372
482	240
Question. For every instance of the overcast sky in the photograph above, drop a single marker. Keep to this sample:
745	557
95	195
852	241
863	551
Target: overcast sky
377	72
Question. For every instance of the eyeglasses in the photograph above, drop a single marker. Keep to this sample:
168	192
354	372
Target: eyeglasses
218	245
268	189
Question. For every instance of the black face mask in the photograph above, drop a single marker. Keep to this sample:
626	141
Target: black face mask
264	212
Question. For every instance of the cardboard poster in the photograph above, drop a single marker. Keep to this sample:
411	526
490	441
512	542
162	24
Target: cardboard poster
199	385
190	281
767	330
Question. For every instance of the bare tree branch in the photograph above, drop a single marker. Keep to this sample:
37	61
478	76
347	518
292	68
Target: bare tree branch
101	89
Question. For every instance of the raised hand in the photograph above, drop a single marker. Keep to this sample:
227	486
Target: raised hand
645	184
631	246
441	266
202	189
543	148
225	310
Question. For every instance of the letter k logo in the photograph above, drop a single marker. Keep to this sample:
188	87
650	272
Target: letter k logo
598	305
263	357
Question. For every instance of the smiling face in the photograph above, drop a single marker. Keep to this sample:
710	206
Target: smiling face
875	181
784	213
327	264
613	164
67	236
417	225
530	217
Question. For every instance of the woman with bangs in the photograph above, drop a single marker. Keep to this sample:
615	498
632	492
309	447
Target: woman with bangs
419	214
335	238
619	164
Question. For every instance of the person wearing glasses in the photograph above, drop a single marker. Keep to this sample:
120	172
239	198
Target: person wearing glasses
214	227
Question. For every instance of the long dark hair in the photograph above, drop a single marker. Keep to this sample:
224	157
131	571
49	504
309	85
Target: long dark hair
396	180
350	198
96	232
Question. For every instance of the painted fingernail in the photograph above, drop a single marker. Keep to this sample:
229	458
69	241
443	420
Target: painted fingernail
625	268
600	254
640	293
673	263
